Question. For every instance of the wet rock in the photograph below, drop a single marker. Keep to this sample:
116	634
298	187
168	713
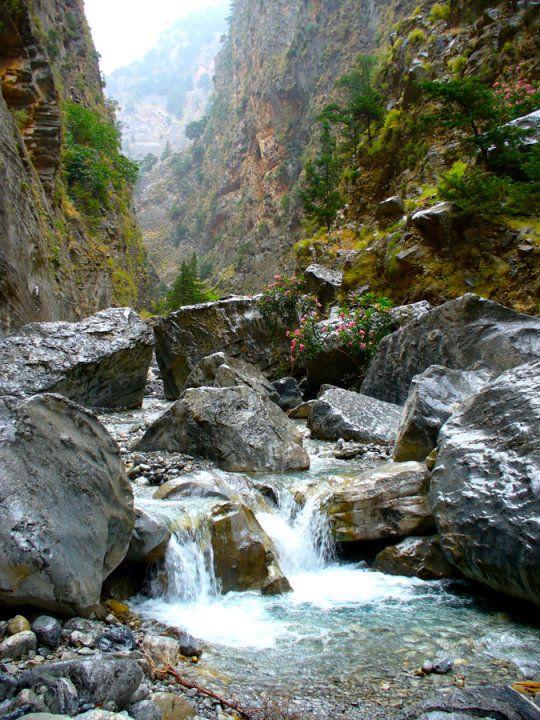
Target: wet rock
17	624
9	686
433	396
244	558
189	646
502	703
290	394
162	649
415	557
99	362
438	224
173	707
66	507
240	430
146	710
98	680
303	411
117	638
18	646
150	538
323	282
469	333
219	370
485	485
48	631
234	326
28	701
61	696
201	485
344	414
388	502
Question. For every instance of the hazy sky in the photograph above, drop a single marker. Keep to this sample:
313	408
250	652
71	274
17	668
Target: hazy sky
124	30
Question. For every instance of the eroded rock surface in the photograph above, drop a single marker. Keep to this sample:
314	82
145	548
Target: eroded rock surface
485	490
415	557
102	361
349	415
433	396
388	502
469	333
66	506
240	430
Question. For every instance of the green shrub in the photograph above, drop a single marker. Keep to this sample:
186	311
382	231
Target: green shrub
457	65
474	192
417	37
440	11
283	302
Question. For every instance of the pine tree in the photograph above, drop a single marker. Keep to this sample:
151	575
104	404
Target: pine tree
188	288
321	196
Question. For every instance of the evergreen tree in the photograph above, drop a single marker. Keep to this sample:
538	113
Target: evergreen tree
321	196
188	288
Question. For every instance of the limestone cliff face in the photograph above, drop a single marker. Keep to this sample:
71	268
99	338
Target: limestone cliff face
54	262
234	193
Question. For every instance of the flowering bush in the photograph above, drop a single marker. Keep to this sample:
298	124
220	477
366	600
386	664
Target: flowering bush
357	331
517	95
283	302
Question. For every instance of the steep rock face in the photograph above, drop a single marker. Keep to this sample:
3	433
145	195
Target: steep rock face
102	361
469	333
485	490
55	263
66	506
236	189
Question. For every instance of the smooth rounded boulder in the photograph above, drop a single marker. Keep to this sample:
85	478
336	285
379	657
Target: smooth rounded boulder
485	490
240	430
66	506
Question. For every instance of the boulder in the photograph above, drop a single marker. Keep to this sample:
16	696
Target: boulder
240	430
244	558
150	538
98	680
403	314
392	207
437	225
234	326
48	631
173	707
485	703
344	414
289	393
303	411
433	397
388	502
145	710
219	370
18	624
18	646
101	362
66	506
161	649
415	557
485	491
469	333
323	282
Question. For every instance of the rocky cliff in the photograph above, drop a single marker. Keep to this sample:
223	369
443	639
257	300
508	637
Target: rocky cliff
232	196
62	255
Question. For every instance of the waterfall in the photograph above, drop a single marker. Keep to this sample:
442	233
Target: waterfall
189	565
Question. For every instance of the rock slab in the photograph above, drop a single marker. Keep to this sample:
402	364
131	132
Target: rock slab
100	362
469	333
240	430
485	490
66	506
349	415
415	557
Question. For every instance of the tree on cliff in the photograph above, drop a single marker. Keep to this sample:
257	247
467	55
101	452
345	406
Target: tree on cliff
188	288
321	196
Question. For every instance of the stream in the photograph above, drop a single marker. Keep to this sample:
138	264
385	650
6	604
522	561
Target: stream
347	640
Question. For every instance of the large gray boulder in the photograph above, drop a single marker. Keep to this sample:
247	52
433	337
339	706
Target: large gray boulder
234	326
349	415
485	491
220	370
101	362
415	557
469	333
98	680
388	502
481	703
240	430
66	506
150	538
433	397
323	282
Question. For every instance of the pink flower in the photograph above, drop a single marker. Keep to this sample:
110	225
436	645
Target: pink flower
363	346
302	347
288	333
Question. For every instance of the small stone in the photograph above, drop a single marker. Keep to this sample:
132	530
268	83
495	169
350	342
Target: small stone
192	692
427	667
48	631
81	639
18	646
18	624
